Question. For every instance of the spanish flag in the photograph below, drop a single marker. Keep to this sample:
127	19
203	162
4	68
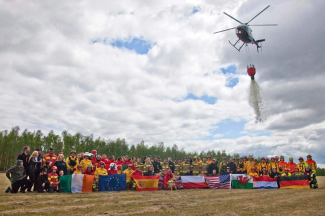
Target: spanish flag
76	183
294	182
146	183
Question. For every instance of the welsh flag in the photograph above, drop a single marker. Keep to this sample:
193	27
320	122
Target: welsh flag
76	183
243	181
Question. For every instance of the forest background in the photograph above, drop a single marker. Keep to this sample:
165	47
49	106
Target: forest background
12	143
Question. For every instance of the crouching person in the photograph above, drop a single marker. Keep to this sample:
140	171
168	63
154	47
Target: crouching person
129	181
53	178
311	177
43	184
16	175
169	181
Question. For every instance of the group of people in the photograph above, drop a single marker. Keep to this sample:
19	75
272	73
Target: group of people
42	173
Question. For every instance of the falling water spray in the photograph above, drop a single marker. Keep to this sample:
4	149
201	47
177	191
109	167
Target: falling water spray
255	100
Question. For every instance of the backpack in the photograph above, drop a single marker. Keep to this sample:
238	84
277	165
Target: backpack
72	162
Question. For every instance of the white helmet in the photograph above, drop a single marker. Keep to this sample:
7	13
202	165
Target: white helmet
113	165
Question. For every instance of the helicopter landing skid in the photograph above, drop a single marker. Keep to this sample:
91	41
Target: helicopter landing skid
234	45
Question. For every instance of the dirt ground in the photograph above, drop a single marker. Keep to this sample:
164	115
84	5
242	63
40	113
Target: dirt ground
182	202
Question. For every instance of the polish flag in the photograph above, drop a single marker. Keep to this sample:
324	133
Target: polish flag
192	182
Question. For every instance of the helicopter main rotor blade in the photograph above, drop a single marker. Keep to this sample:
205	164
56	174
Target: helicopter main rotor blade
224	30
265	25
233	18
258	14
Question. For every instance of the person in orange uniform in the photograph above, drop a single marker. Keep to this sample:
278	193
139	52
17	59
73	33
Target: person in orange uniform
253	173
50	157
302	164
249	164
291	165
276	158
312	164
128	172
282	165
53	180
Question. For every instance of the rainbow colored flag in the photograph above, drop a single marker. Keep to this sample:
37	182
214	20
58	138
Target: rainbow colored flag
76	183
146	183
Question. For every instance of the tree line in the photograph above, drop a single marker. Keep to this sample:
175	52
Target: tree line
13	141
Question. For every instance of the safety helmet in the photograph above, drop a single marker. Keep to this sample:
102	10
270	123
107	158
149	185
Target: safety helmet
54	168
276	157
307	166
93	151
262	158
112	165
98	156
102	163
266	158
72	152
301	158
89	166
309	156
281	157
253	168
290	158
272	158
250	156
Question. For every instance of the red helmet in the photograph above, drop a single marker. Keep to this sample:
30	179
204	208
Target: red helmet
253	168
94	152
276	157
266	158
54	168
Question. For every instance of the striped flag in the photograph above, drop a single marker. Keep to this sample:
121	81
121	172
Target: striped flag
76	183
219	182
193	182
178	183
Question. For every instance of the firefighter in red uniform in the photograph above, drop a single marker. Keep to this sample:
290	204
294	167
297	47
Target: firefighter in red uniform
50	157
312	164
291	165
282	164
96	163
53	180
93	156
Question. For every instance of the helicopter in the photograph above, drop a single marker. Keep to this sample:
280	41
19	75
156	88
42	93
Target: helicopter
244	32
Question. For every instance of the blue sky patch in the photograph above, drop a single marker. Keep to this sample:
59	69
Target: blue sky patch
231	82
229	70
138	45
195	10
205	98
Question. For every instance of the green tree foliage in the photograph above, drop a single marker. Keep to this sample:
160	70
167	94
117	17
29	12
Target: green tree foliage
13	141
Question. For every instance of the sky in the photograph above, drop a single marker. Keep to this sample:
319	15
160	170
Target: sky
154	71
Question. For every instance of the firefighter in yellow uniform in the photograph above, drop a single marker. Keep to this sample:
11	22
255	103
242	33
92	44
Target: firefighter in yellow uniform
165	165
263	164
100	171
302	164
257	167
204	166
196	168
249	164
139	164
86	162
177	168
253	173
273	164
185	165
224	160
240	163
209	161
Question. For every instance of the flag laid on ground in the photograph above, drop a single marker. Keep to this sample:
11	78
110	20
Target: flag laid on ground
112	182
264	182
219	182
294	182
146	183
192	182
243	181
161	182
178	183
76	183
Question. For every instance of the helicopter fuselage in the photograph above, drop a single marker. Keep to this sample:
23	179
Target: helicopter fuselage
244	33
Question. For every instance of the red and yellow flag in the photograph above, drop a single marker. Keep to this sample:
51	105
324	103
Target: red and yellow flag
146	183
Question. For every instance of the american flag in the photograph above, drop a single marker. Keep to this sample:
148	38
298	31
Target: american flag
218	182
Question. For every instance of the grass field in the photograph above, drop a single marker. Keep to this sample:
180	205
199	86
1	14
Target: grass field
182	202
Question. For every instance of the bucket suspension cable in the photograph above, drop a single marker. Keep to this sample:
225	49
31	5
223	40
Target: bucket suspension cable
249	59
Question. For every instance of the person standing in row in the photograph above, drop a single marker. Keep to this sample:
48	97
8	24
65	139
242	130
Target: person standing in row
25	158
50	157
39	165
72	162
32	168
61	165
